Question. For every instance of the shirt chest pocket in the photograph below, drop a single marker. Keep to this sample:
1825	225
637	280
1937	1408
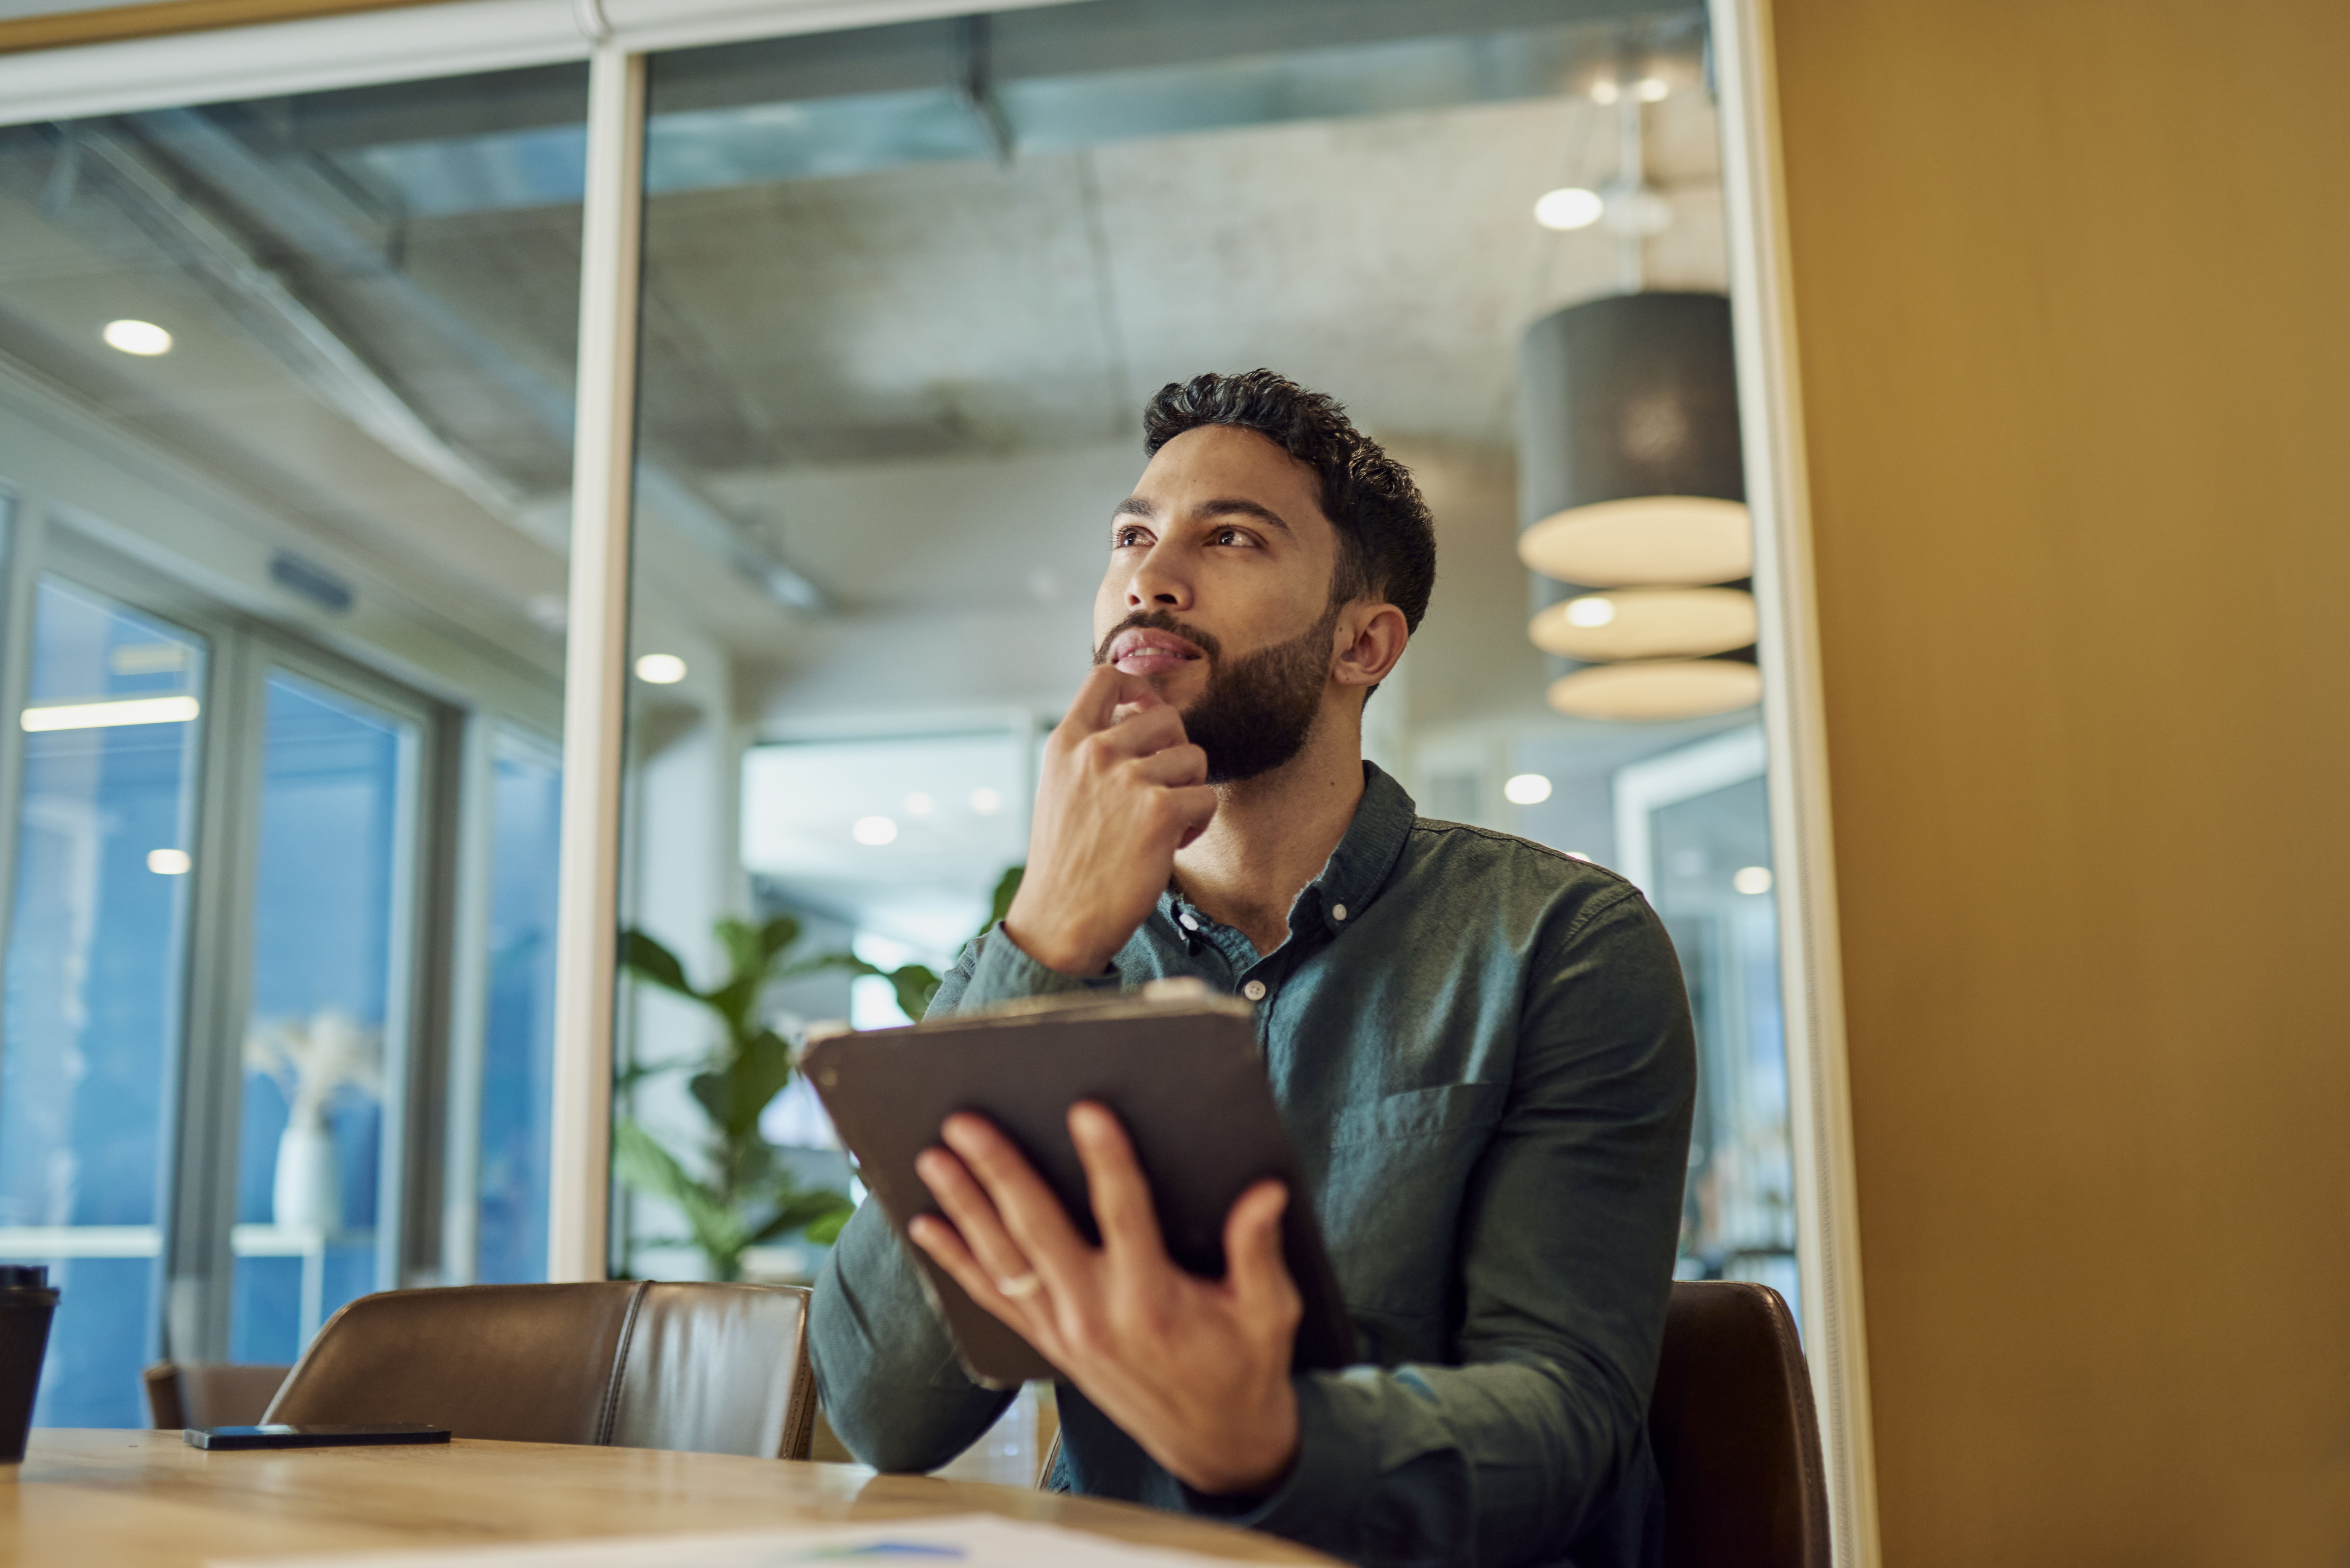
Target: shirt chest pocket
1391	1203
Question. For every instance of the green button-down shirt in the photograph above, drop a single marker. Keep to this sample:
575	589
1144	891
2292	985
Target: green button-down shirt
1483	1050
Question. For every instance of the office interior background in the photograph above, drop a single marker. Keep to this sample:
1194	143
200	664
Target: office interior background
287	413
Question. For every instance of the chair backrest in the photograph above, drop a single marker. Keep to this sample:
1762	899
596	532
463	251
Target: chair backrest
215	1394
1734	1432
709	1368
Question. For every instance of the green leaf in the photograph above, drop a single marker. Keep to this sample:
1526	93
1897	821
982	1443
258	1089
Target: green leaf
647	959
737	1090
802	1211
823	961
759	1071
776	935
641	1162
823	1232
737	1002
741	942
915	986
1007	887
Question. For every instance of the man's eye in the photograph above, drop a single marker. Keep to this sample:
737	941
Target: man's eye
1240	536
1127	538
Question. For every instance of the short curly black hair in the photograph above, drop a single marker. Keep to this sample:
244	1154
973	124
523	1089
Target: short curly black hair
1386	537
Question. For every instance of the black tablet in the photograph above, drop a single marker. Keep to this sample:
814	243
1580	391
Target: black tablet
1183	1076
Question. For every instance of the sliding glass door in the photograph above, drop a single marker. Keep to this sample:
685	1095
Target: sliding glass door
89	1050
326	1027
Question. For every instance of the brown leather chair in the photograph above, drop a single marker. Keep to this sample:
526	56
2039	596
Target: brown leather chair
213	1393
707	1368
1733	1429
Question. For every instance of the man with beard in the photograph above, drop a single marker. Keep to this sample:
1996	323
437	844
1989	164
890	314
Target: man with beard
1481	1048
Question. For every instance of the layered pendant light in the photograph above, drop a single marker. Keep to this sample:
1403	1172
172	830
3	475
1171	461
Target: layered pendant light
1634	503
1631	488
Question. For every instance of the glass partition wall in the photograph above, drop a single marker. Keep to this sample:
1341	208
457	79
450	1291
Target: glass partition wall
286	418
286	444
905	291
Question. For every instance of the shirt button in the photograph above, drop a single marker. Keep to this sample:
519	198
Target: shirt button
1187	922
1337	912
1254	991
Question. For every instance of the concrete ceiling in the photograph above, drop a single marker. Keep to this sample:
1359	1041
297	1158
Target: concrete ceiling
915	383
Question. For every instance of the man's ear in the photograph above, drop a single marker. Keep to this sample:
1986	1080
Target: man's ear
1370	638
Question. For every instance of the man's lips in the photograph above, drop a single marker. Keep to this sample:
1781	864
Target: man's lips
1144	652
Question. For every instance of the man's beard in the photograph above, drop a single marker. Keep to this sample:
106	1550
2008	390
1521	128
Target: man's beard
1257	711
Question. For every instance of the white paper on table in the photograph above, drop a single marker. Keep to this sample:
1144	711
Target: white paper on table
960	1541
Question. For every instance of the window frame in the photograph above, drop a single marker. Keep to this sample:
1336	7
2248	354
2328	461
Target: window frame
201	1143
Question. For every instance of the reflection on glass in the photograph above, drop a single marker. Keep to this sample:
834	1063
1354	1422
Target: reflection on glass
906	292
308	359
518	1033
1738	1217
95	965
336	798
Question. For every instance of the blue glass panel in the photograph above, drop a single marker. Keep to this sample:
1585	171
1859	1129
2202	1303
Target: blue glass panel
89	1047
265	1324
327	906
518	1033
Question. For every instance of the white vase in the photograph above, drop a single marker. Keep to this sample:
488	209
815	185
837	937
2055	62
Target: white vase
308	1191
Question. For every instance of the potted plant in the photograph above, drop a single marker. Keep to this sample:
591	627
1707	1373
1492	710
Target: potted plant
312	1060
747	1196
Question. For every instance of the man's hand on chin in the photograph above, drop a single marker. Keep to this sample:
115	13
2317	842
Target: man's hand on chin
1117	798
1196	1371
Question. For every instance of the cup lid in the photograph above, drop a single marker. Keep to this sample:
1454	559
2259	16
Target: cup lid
24	1276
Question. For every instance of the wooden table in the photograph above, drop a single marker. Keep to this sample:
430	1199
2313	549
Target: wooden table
146	1500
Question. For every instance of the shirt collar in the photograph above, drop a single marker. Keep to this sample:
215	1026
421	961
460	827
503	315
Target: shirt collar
1359	868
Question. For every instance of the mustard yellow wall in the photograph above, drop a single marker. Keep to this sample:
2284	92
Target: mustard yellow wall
2073	291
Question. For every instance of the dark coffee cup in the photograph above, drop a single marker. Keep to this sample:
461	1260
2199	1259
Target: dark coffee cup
27	1301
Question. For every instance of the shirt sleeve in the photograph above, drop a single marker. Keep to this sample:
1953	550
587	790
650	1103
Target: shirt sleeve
886	1368
1523	1452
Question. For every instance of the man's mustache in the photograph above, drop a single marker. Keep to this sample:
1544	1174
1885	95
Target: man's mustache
1160	620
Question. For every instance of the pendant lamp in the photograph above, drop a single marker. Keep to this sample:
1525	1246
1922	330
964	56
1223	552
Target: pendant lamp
1631	480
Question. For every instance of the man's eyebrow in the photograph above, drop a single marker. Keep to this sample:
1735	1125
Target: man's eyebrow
1135	506
1246	508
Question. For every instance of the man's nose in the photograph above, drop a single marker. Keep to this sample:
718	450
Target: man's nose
1159	583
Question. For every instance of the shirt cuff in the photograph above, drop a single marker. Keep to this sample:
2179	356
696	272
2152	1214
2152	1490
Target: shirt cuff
1329	1467
1005	973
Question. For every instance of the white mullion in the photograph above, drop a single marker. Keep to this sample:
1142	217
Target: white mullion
1827	1220
596	673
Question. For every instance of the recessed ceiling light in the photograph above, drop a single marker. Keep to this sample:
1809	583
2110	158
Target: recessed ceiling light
1751	879
660	669
986	802
920	805
1570	207
169	862
1651	89
1605	92
107	715
874	830
141	337
1527	789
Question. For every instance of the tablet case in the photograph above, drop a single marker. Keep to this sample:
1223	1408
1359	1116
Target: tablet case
1184	1077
